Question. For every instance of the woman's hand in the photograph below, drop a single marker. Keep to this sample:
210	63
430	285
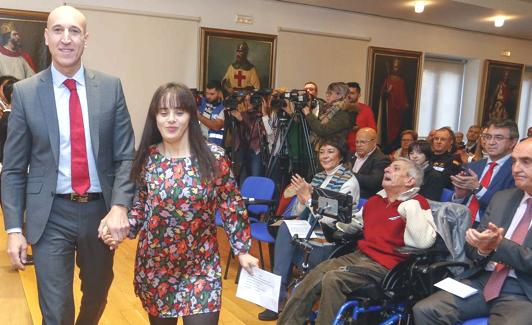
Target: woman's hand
247	262
302	188
107	238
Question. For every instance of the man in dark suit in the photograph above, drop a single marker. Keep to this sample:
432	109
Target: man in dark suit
71	127
482	179
368	162
502	247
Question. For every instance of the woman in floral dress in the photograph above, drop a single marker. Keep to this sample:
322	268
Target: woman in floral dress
181	182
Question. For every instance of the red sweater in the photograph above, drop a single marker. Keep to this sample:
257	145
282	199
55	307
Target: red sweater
365	119
384	230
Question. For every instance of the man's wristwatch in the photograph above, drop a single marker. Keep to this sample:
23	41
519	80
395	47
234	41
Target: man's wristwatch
478	189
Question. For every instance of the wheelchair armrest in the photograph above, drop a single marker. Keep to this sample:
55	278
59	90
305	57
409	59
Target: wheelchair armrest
442	264
421	251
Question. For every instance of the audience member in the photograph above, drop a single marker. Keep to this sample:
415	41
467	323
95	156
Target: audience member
181	182
443	160
211	113
364	118
529	132
397	216
480	151
336	176
473	135
65	173
407	137
459	138
420	152
477	184
368	162
502	249
336	117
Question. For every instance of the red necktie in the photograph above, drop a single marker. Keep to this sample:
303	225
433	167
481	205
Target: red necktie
485	182
496	280
78	149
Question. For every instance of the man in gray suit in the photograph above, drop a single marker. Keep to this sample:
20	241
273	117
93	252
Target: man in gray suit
502	246
71	128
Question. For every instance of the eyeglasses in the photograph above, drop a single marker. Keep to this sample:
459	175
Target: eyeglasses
363	141
496	138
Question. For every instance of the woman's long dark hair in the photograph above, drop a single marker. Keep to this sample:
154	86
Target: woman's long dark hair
178	96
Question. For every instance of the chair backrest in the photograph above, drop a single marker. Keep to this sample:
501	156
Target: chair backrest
361	203
259	188
446	195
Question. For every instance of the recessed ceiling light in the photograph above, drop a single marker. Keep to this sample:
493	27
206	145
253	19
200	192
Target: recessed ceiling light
419	6
499	21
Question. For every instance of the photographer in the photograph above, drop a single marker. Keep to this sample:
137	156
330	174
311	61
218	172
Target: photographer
337	116
211	113
249	133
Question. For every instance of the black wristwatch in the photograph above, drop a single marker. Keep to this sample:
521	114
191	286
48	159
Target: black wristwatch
478	189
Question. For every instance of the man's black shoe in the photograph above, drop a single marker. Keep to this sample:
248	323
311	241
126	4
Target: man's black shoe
268	315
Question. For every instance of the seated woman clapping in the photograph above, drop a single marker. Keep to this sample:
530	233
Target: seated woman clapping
336	176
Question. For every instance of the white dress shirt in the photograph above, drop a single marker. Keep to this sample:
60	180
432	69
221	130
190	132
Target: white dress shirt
62	97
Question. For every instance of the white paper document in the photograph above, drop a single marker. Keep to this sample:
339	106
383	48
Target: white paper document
299	227
261	288
456	288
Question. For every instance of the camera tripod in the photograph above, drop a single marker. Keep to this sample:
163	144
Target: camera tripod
280	158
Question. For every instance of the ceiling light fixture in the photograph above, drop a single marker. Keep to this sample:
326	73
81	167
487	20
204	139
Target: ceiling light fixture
419	6
499	21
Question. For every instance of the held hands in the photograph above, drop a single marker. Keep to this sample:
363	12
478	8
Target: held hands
248	262
16	249
487	240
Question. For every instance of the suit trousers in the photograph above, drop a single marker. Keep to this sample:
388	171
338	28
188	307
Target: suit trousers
511	307
331	284
71	235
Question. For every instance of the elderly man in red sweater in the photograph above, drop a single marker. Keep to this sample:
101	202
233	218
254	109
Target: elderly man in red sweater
397	216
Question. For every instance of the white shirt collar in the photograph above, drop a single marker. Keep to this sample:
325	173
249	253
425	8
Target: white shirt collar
407	195
500	161
367	155
58	78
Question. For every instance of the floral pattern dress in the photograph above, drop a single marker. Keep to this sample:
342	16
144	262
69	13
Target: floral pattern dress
177	267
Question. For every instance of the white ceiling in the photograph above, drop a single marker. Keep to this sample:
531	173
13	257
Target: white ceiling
472	15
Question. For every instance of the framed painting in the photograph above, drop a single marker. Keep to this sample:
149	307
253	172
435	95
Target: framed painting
501	88
237	59
23	51
394	78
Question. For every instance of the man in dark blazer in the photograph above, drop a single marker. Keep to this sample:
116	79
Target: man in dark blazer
502	247
368	162
500	138
65	185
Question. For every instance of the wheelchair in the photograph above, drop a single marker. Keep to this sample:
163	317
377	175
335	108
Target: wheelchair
391	301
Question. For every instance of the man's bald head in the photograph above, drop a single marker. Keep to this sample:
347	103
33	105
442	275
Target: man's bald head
69	11
522	165
365	141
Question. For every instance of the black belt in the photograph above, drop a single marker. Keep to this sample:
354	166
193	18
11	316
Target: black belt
81	198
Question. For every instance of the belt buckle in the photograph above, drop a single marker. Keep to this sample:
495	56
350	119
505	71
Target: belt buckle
81	198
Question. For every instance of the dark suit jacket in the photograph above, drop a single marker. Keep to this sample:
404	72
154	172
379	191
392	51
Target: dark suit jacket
500	211
370	174
33	141
502	180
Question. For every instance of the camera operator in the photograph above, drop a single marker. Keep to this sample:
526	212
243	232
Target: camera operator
250	135
312	90
211	113
337	116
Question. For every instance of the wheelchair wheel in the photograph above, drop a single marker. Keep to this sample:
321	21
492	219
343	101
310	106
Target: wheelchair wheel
343	249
